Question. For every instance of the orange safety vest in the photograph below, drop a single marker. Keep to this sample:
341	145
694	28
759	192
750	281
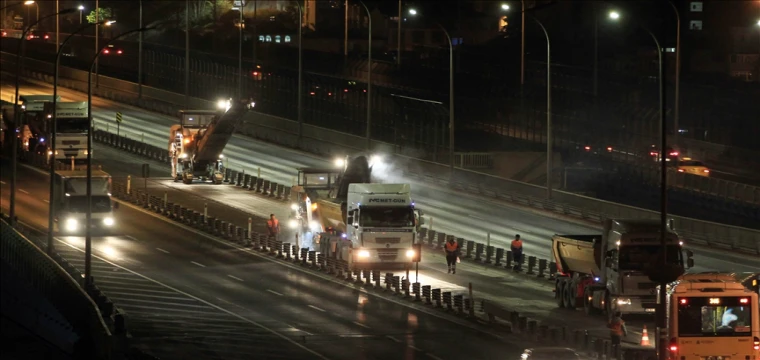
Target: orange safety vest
517	244
616	328
451	247
273	224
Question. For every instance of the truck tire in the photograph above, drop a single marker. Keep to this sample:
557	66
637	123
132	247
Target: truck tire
559	293
568	295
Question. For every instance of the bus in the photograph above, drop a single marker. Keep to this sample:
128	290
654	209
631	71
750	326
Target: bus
713	316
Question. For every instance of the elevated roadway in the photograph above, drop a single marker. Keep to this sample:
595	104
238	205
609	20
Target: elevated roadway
183	300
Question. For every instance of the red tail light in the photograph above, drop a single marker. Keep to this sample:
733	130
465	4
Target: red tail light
705	170
674	153
653	153
609	148
365	90
311	93
680	170
587	148
345	90
255	73
119	52
757	343
673	347
47	37
744	301
106	51
329	94
683	301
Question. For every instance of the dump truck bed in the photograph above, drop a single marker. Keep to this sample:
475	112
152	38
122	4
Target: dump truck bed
330	215
577	253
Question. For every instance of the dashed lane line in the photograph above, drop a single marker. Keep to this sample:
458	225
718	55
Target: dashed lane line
360	324
274	292
199	264
235	277
316	308
162	250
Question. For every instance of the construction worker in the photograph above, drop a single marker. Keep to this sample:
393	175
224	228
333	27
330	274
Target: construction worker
517	252
273	225
452	254
617	329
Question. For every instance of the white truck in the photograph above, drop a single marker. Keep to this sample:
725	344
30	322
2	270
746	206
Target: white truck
369	225
70	195
73	124
35	125
605	273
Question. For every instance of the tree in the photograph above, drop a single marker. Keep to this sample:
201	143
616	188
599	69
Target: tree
105	14
201	12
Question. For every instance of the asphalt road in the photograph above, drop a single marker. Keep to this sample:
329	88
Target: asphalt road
187	300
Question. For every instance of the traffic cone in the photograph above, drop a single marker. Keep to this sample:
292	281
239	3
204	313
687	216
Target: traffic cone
645	337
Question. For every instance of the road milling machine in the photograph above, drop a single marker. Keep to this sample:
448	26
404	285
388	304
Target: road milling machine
196	143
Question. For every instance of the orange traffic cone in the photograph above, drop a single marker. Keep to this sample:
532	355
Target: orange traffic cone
645	337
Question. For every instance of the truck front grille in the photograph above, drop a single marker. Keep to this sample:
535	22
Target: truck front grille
387	240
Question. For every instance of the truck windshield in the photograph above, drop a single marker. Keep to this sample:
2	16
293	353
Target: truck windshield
636	257
381	216
72	125
100	203
718	316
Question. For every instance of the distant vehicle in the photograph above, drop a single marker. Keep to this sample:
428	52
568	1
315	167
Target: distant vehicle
551	353
112	50
37	35
671	154
689	166
5	33
70	196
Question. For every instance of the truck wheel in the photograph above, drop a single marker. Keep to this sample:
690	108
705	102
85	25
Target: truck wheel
572	296
559	293
568	295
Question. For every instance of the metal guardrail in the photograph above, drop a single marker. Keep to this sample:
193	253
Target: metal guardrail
474	160
56	285
324	141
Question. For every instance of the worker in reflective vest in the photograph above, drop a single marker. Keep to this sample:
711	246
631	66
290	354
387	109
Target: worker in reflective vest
452	255
273	225
517	252
617	329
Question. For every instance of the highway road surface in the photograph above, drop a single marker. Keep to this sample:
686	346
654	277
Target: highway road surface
185	300
455	213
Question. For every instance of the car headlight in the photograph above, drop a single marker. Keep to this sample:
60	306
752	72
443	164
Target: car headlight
624	301
108	221
293	223
314	226
410	253
363	253
72	224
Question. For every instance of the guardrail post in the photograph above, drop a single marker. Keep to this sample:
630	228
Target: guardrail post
447	300
531	265
459	303
510	258
552	270
436	295
304	256
499	255
426	293
416	291
470	247
541	267
489	254
479	252
367	278
376	277
286	247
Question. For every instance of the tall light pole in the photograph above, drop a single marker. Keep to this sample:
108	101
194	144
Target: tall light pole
54	131
662	323
240	52
81	9
300	73
88	220
187	54
17	114
369	77
57	27
677	105
140	54
398	34
97	37
345	31
451	97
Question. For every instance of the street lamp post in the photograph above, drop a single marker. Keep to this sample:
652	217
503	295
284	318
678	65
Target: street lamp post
300	73
369	77
662	323
53	133
17	114
140	54
451	98
81	9
187	54
88	220
677	105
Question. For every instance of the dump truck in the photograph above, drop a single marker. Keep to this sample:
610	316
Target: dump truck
607	272
367	225
70	196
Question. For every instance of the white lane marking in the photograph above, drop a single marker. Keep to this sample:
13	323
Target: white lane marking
235	277
24	191
274	292
433	356
235	315
130	237
316	308
360	324
415	348
46	200
476	217
393	338
199	264
162	250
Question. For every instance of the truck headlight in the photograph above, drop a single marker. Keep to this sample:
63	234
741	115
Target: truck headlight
624	301
363	253
314	226
410	253
293	223
72	224
294	207
108	221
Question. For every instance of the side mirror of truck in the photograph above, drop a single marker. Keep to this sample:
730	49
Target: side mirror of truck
689	254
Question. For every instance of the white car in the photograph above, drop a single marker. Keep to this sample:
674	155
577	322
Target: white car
551	353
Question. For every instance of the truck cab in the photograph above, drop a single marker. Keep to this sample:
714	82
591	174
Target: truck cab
71	203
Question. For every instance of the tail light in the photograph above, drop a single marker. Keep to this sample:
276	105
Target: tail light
653	153
683	301
756	344
587	148
673	346
744	301
674	153
706	171
365	90
680	170
311	93
255	73
47	37
119	52
106	51
609	148
345	90
329	94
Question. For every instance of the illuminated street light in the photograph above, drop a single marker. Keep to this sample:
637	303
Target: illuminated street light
412	12
29	2
504	7
81	9
614	15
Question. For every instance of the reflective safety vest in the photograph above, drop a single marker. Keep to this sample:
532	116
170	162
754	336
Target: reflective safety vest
517	244
616	327
451	247
273	225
